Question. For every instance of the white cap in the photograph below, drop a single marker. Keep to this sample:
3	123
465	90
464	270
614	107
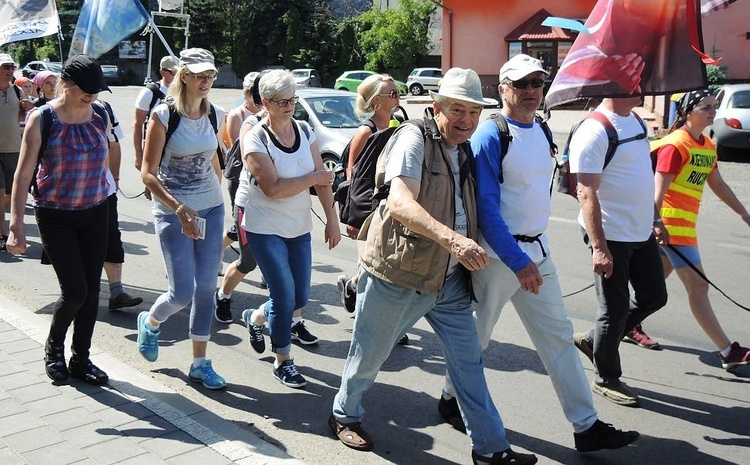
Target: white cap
519	67
197	60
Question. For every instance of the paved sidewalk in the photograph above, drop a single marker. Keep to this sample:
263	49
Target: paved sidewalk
134	420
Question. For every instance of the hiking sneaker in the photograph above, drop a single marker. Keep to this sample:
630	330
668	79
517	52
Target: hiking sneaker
256	331
638	337
148	341
3	243
738	356
620	394
124	300
288	374
583	344
348	298
223	312
506	457
404	341
301	334
87	371
206	375
351	434
448	409
603	436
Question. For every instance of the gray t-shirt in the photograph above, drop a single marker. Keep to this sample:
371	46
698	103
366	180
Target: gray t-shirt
405	158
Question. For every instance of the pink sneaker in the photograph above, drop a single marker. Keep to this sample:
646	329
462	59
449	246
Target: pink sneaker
737	356
638	337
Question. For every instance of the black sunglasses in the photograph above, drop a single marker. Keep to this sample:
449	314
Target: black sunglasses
391	94
524	83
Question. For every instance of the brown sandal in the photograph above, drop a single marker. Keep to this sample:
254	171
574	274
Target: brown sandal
351	434
506	457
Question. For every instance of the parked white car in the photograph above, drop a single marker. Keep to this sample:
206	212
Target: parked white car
421	80
731	128
33	67
306	77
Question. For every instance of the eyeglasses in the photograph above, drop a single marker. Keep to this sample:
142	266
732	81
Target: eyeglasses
391	94
8	67
285	102
522	84
170	71
204	77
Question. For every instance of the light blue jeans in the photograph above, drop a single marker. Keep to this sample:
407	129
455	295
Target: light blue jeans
383	313
546	320
286	263
191	269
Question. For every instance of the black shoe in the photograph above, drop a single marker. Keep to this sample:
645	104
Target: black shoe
223	313
263	283
257	341
448	409
404	341
506	457
346	293
87	371
3	243
124	300
301	334
603	436
54	362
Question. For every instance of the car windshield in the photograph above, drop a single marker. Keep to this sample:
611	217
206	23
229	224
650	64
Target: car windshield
300	73
740	100
335	111
55	67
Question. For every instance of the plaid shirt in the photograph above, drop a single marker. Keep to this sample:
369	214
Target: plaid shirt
72	174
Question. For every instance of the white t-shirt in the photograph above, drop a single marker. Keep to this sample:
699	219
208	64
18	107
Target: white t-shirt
405	158
186	169
115	135
289	217
626	192
145	96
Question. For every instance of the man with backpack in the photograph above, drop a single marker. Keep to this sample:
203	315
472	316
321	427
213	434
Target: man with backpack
623	229
514	160
420	246
14	105
147	99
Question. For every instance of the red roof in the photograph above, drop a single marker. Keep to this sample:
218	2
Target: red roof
532	29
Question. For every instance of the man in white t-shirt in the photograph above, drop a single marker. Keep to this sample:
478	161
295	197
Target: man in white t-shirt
623	231
147	99
513	208
419	248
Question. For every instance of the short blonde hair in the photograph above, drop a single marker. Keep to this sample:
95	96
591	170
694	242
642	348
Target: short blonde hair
367	90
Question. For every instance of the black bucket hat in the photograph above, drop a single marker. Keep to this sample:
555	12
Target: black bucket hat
86	73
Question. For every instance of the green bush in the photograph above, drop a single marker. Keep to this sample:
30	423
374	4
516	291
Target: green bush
717	76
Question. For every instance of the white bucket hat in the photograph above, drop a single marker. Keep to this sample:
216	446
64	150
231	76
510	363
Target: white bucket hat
6	59
461	84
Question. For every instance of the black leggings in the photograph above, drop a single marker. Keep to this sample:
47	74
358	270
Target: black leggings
75	242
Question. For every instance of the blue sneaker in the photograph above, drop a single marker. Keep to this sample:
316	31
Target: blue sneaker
257	340
206	374
148	341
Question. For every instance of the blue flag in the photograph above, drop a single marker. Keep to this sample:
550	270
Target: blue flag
102	24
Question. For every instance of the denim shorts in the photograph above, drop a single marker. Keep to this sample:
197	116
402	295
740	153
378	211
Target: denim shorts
690	252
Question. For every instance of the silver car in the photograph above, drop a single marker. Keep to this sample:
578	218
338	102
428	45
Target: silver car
731	128
306	77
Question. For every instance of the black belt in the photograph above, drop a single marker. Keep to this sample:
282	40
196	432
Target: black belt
531	240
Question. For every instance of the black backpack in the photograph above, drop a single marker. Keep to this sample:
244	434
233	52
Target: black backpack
567	182
345	153
45	113
356	196
156	96
174	122
506	138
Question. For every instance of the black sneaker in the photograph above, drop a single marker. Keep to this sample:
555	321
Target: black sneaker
301	334
124	300
348	298
256	332
223	313
603	436
3	243
448	409
404	341
288	374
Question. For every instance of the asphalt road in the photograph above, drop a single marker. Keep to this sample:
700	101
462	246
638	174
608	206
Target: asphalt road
692	412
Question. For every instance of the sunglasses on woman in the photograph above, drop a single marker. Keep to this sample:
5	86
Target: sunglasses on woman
391	94
522	84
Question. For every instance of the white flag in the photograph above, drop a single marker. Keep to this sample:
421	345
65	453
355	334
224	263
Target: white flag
27	19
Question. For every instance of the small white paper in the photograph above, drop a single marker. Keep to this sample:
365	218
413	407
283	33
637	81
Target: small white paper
200	224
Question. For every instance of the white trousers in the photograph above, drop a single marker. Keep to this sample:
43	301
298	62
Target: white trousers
546	320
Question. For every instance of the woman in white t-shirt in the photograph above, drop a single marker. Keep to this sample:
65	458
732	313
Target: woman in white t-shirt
284	162
183	174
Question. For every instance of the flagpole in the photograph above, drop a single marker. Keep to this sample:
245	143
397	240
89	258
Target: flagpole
59	40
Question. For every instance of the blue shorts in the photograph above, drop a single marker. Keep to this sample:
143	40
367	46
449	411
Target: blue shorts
689	251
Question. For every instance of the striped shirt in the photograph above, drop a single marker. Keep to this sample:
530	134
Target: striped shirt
72	172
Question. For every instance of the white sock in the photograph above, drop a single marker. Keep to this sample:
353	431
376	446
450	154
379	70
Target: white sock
257	317
296	319
725	353
150	326
223	296
198	361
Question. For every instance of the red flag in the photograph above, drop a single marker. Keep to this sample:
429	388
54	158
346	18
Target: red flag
634	47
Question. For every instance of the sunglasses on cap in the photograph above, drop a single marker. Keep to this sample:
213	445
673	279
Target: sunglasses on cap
391	94
522	84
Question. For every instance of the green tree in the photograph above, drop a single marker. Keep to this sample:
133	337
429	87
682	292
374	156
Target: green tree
391	40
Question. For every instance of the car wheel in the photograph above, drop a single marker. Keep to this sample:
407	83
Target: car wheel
416	89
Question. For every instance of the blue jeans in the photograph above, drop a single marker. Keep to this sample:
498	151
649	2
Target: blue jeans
191	269
383	313
286	263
